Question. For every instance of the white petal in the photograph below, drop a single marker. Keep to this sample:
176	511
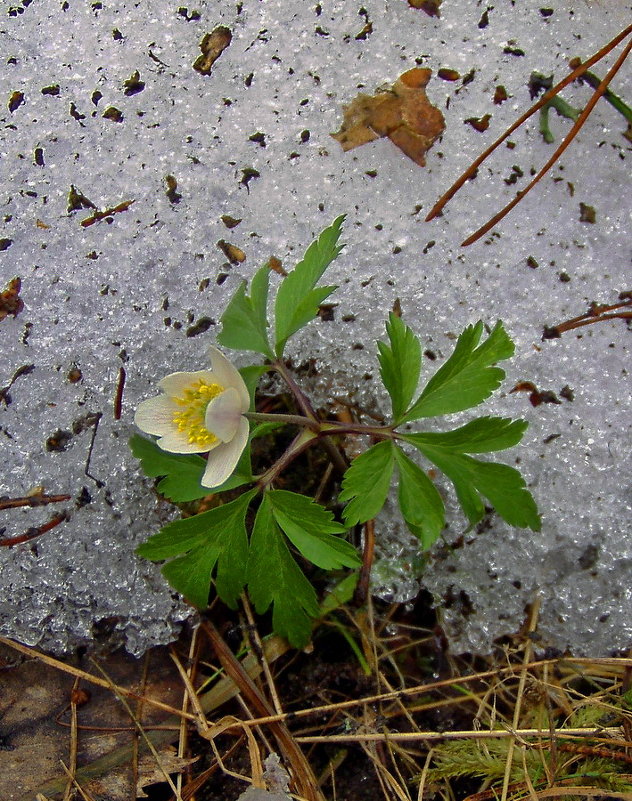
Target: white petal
176	384
155	415
228	376
223	459
223	414
176	441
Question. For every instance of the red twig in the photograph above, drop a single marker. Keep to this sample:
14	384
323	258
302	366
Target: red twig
118	398
36	531
362	590
596	314
100	215
38	499
546	97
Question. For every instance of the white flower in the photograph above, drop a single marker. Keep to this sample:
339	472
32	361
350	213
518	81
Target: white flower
201	412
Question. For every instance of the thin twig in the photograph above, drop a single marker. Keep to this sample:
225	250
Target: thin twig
34	532
362	589
38	499
74	741
527	656
595	314
304	777
567	140
257	649
546	97
118	397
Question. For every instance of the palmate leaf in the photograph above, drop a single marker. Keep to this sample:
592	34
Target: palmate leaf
244	322
311	529
298	298
275	579
502	485
365	484
211	541
183	472
400	364
467	378
483	435
419	500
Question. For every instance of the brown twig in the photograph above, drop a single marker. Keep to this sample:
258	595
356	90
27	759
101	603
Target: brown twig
305	780
34	532
596	313
567	140
99	215
362	588
546	97
118	398
37	499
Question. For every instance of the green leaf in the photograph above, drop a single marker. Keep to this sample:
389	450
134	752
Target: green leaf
214	540
274	578
482	435
244	322
251	375
365	484
341	594
467	378
420	503
400	364
310	527
297	299
182	471
190	575
502	485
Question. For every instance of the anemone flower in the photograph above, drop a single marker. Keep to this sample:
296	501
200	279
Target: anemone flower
201	412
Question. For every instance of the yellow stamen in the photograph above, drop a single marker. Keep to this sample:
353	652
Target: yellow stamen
195	399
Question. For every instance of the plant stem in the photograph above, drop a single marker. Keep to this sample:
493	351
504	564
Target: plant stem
334	428
337	459
318	429
301	398
288	419
299	444
615	101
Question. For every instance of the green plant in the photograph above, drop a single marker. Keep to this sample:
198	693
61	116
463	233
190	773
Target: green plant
252	539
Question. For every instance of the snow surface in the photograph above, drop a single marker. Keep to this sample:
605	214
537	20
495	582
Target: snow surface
128	290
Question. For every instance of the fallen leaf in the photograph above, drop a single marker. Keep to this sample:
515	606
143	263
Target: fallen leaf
150	772
15	101
172	189
230	222
536	396
276	265
234	254
403	114
479	124
430	7
212	46
10	301
587	213
500	95
447	74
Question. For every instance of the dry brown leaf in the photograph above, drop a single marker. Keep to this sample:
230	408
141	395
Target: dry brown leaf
403	113
10	301
234	254
212	46
430	7
149	772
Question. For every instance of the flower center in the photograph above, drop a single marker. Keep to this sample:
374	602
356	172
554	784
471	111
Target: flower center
194	401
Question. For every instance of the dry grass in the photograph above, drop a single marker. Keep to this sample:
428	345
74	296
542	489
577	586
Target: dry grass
396	715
